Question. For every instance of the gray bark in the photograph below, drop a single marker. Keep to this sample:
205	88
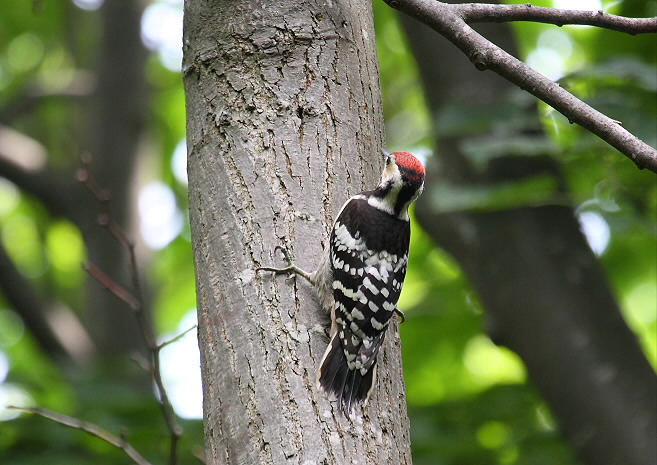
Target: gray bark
284	123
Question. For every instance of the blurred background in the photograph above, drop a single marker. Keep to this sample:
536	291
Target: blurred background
92	85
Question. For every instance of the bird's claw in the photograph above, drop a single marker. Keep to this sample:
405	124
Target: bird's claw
291	269
286	254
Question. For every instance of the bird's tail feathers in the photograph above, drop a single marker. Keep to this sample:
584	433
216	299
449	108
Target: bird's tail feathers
334	377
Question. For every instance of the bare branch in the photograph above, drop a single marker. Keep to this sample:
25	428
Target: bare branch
493	13
178	337
90	428
112	286
449	21
134	299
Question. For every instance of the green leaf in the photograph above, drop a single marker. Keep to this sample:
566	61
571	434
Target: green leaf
537	190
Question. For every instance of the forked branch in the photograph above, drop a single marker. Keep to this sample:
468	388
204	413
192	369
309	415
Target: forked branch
90	428
451	21
134	299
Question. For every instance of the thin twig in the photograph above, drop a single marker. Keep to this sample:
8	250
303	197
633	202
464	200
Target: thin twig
177	338
112	286
84	176
450	21
135	300
90	428
149	336
498	13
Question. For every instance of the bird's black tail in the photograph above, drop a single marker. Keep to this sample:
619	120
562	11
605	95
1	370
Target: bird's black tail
334	377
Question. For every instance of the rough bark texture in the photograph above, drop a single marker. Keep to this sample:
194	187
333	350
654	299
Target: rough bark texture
284	122
543	290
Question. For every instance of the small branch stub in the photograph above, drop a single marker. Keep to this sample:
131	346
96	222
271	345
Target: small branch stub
480	60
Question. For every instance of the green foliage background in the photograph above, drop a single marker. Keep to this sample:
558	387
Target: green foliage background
469	401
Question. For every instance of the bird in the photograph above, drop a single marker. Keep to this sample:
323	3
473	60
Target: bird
360	277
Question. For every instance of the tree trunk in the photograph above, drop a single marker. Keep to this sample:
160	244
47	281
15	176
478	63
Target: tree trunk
543	290
283	124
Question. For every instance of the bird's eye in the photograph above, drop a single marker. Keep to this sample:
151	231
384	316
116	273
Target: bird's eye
388	161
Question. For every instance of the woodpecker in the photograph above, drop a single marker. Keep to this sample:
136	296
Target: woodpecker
360	277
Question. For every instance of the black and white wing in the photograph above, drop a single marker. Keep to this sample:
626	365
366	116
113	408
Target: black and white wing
368	274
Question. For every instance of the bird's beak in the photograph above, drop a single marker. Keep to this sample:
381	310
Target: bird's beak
385	153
